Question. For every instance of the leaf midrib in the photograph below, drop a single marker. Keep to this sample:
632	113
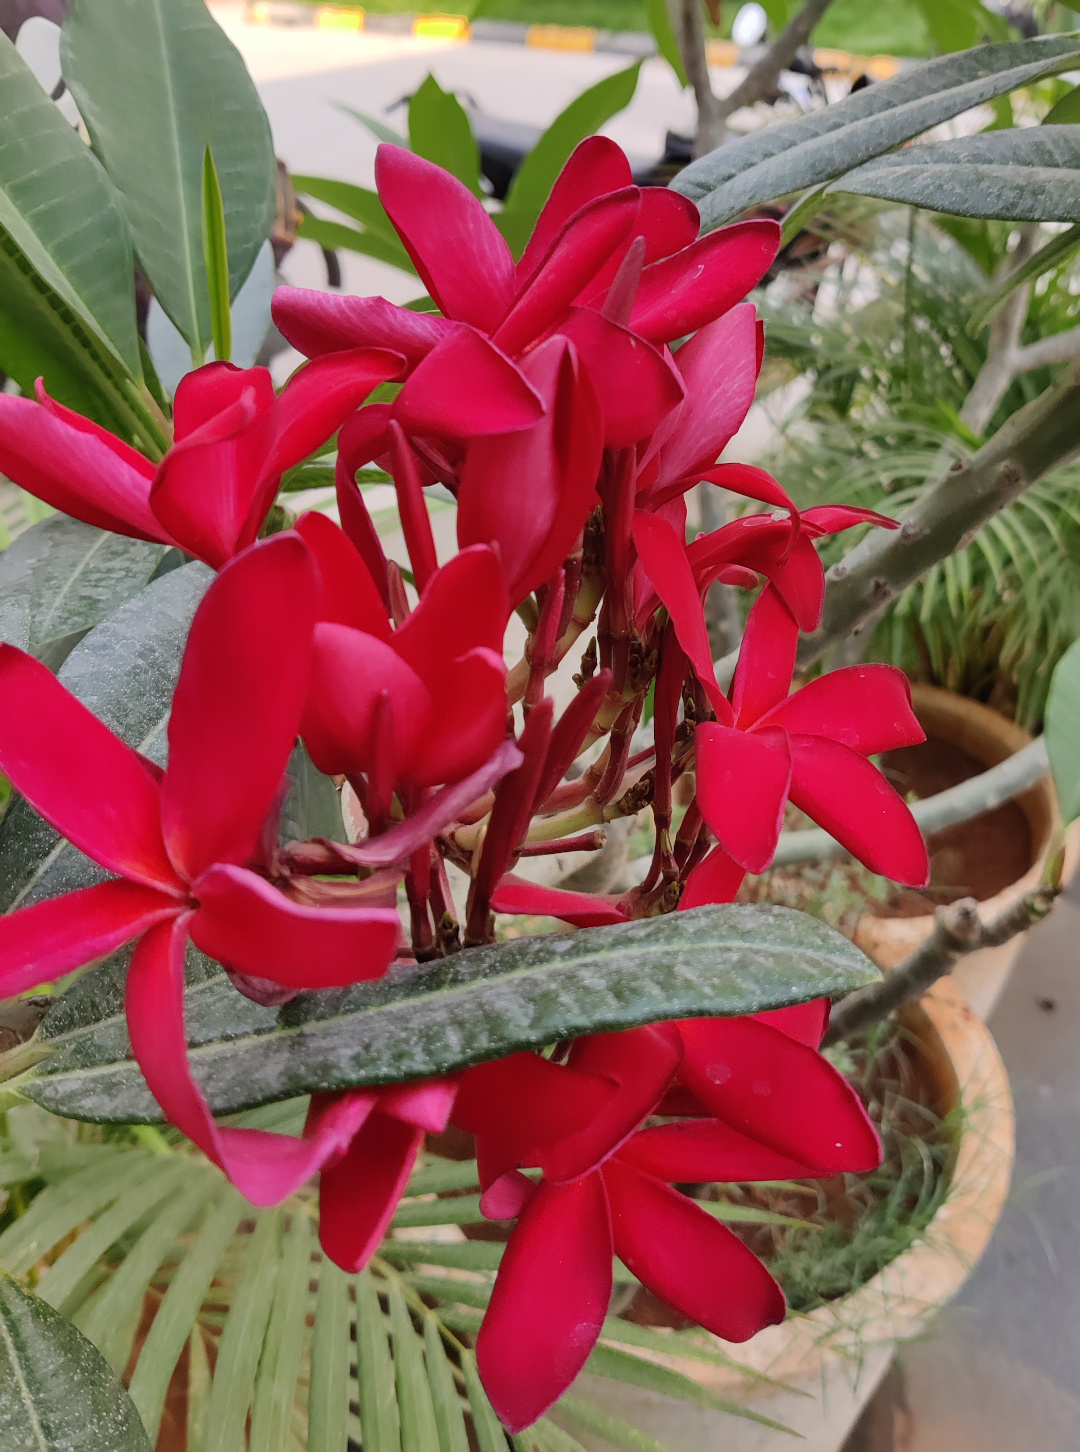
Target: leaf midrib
20	1380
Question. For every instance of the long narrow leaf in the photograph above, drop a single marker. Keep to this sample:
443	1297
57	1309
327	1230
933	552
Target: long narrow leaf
283	1349
242	1339
447	1406
216	258
419	1430
613	1429
379	1419
490	1435
331	1385
618	1365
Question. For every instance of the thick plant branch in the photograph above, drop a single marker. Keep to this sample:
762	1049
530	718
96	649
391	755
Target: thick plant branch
1057	348
1037	438
958	930
997	373
761	79
710	128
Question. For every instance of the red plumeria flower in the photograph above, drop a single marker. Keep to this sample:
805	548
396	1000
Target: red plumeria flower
231	428
360	1187
766	1105
414	707
183	843
766	747
585	275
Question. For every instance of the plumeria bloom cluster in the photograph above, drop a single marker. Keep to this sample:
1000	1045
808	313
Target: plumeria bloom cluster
549	396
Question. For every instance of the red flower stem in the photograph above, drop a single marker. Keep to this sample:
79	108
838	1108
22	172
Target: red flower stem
399	601
587	842
541	648
412	506
442	905
417	889
584	612
619	750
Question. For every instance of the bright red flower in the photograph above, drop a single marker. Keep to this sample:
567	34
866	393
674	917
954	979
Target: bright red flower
766	1105
186	843
418	706
213	489
584	275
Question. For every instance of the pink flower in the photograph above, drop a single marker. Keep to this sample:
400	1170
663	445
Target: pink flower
766	1105
186	844
231	429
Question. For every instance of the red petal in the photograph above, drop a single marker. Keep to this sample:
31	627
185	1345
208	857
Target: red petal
719	369
667	222
412	508
466	388
851	799
77	468
743	779
637	385
354	444
264	1167
804	1022
325	322
834	518
752	483
465	606
467	725
515	895
426	1105
204	394
716	879
248	925
686	1256
457	250
683	293
527	1100
559	458
506	1197
349	594
318	399
549	1302
702	1150
766	660
865	707
665	560
360	1192
139	462
237	705
40	943
596	166
778	1091
642	1062
586	242
350	673
51	747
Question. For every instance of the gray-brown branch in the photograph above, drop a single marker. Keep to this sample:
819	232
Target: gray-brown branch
710	127
760	80
958	930
1036	439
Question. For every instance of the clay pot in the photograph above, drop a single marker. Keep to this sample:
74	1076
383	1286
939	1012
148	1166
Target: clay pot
988	737
838	1354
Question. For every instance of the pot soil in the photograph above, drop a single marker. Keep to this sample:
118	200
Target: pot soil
833	1358
995	858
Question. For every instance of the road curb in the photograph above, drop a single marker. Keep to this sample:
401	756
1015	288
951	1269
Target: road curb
579	38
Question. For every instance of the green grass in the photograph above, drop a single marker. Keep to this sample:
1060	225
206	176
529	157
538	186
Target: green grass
867	27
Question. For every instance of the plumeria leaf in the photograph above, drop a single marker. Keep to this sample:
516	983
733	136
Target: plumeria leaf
661	27
1028	174
157	82
70	576
527	993
57	1393
216	258
125	671
1063	731
825	144
440	130
368	242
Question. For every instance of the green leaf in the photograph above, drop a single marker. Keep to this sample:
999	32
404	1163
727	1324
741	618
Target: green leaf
523	994
440	131
1065	112
180	1307
379	1419
312	807
419	1431
124	671
1063	732
822	145
63	214
490	1436
448	1415
666	43
363	206
1054	254
613	1429
242	1339
69	577
157	82
331	1353
624	1366
283	1350
370	243
379	129
1026	174
216	259
536	176
57	1392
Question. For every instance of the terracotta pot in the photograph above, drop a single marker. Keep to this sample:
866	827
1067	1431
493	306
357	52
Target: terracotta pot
989	738
838	1354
